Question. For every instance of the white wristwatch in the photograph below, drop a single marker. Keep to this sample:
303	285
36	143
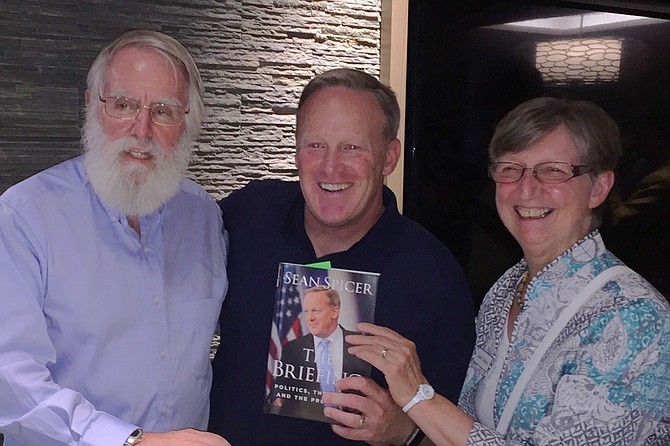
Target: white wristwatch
425	392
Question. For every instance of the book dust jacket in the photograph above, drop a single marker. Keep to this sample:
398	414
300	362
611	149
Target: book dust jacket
315	309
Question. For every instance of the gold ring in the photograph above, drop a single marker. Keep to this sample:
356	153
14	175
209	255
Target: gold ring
384	352
361	421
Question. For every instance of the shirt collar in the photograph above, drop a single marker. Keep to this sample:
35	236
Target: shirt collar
335	338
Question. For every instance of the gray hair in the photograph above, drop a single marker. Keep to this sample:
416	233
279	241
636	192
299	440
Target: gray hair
593	131
175	53
357	80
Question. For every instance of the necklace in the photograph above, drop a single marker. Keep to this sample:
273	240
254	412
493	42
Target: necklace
519	294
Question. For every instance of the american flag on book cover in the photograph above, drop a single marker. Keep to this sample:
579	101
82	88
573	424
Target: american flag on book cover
286	326
288	320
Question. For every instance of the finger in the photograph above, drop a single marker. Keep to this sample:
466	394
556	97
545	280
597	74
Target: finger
357	426
370	339
359	339
348	420
363	385
377	330
377	344
374	393
380	343
350	433
374	355
349	401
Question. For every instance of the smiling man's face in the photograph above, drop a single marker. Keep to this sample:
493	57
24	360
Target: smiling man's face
342	158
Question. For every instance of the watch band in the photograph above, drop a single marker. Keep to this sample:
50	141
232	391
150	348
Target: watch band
425	392
411	403
134	438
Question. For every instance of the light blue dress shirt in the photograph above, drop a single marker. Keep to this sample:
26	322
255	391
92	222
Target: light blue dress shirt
104	330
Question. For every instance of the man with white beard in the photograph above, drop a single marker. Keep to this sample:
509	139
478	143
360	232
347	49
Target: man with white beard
112	268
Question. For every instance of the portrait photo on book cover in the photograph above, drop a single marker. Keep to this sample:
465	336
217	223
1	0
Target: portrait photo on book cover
315	309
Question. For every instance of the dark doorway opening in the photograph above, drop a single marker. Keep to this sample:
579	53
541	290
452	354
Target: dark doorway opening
469	62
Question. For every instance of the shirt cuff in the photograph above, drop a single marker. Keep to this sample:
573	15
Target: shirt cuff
107	429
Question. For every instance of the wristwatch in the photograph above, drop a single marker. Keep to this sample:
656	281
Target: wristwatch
134	438
425	392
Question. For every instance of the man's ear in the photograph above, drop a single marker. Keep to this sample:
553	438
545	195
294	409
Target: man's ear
602	184
392	156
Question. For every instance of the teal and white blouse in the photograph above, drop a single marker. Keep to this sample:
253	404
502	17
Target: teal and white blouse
604	381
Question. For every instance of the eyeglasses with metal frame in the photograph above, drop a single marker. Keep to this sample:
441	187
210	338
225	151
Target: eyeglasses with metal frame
121	107
552	172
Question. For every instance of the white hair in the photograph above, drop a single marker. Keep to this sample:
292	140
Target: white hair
133	189
177	56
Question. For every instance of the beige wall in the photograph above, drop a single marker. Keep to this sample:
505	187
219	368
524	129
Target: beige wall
394	73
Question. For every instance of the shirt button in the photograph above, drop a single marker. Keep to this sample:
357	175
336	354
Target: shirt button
162	355
156	299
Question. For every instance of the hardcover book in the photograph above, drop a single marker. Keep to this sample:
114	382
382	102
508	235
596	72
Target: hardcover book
315	309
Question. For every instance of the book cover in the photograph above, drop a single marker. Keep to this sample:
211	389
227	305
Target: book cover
315	308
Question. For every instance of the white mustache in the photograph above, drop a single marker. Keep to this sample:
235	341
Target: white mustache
132	188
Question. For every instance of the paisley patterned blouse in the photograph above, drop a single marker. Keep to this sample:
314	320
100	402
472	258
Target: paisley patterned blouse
604	381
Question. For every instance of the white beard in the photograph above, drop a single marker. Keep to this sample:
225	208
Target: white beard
133	189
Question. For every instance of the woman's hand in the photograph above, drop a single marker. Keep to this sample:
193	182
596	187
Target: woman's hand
394	355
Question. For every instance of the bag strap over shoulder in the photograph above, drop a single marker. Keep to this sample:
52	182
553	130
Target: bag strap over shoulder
568	313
